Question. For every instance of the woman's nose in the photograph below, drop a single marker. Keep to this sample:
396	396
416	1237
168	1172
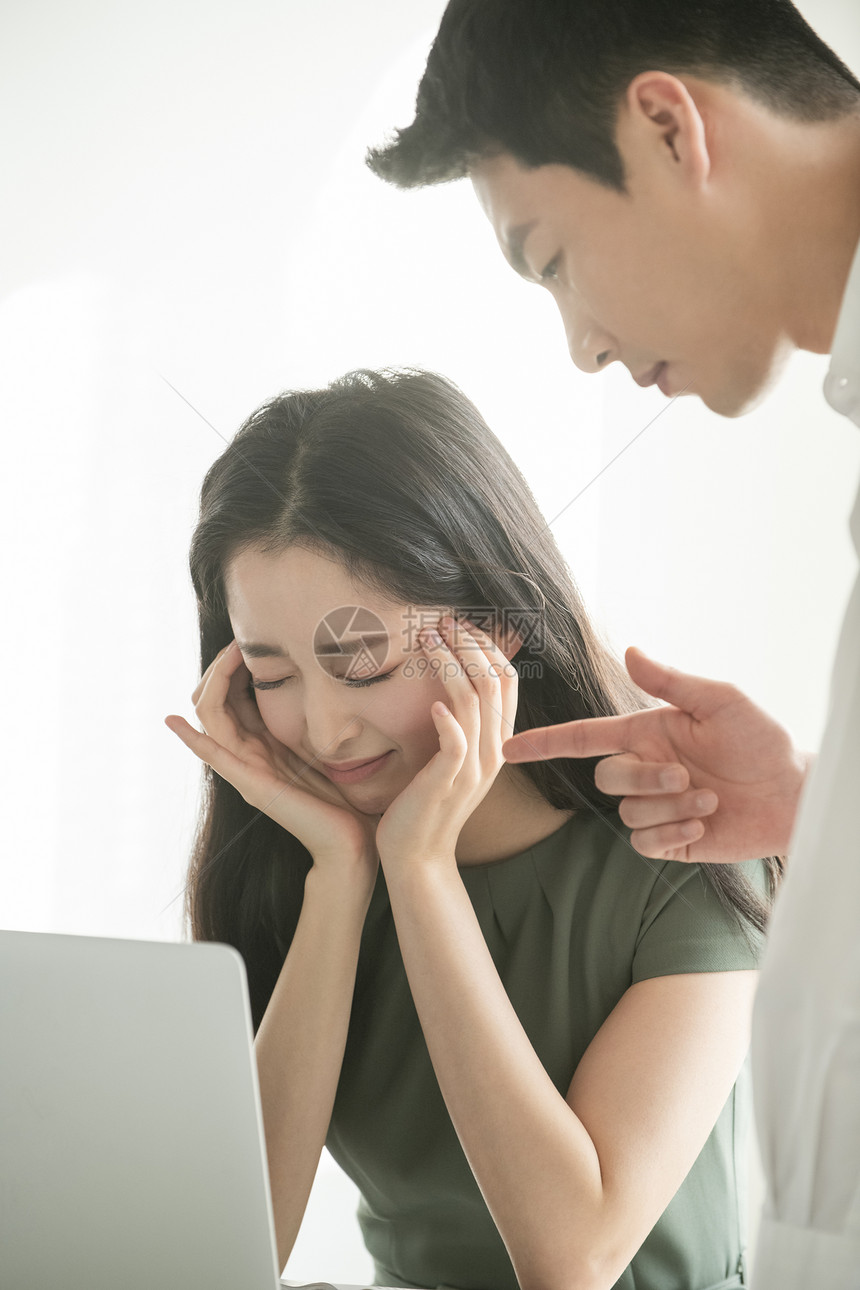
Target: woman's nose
333	721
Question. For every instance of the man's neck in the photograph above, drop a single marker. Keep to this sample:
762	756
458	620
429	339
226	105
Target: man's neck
813	196
792	194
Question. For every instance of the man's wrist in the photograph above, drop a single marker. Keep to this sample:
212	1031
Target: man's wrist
805	761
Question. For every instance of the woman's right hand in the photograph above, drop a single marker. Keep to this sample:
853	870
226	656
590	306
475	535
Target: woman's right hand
238	746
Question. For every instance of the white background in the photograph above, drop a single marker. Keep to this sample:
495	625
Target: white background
186	206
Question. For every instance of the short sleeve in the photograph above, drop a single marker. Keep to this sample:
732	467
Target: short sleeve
686	928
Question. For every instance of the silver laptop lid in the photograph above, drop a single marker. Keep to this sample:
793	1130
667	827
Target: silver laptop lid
131	1148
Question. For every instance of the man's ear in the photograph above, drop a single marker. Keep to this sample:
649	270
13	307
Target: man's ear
660	120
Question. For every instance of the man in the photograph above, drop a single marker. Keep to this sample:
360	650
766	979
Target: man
684	179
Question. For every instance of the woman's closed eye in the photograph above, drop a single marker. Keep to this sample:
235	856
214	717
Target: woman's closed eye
270	685
355	682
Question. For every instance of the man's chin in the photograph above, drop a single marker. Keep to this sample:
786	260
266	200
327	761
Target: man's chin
746	388
731	405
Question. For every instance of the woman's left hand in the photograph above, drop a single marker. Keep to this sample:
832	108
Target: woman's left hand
423	822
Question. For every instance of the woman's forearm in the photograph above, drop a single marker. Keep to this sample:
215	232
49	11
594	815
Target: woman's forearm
533	1159
575	1183
301	1040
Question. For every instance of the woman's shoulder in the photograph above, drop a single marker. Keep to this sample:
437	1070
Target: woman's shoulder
587	874
585	846
587	863
593	849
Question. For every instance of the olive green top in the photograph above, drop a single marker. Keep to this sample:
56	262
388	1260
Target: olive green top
571	923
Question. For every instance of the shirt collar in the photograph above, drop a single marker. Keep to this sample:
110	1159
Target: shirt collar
842	383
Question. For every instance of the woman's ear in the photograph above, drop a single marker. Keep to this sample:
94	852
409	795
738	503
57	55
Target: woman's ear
509	642
659	123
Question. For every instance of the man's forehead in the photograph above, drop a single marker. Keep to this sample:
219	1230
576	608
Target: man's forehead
514	243
503	196
494	180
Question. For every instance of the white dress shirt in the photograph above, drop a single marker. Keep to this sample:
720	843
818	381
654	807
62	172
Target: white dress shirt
806	1022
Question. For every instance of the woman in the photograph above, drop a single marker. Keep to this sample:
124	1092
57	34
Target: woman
519	1037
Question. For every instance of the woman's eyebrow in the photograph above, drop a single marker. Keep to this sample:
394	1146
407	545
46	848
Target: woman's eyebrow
353	646
253	650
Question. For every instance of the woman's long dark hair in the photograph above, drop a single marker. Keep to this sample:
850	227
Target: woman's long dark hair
397	476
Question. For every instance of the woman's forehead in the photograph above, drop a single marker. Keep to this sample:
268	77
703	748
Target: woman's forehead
301	593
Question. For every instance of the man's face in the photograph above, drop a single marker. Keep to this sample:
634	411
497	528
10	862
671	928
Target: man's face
662	278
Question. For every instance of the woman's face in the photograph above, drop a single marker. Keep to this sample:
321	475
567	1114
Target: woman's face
338	672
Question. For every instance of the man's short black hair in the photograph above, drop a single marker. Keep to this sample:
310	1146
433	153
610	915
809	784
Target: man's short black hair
543	79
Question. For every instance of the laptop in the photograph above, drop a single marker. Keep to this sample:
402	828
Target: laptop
131	1146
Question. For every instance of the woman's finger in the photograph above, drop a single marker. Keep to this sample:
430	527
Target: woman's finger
469	688
215	681
649	812
240	698
443	769
462	697
495	681
215	713
222	761
198	690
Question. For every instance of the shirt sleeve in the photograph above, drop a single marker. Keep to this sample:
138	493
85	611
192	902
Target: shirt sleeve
686	928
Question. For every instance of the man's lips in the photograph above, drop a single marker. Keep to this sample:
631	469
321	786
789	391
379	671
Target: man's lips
652	376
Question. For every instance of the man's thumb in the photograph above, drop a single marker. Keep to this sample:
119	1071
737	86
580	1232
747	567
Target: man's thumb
690	693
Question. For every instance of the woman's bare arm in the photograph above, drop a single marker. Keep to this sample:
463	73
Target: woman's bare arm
301	1041
574	1184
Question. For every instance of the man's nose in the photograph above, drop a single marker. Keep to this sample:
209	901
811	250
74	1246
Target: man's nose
590	346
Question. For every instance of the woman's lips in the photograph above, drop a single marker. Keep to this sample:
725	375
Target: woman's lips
357	773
